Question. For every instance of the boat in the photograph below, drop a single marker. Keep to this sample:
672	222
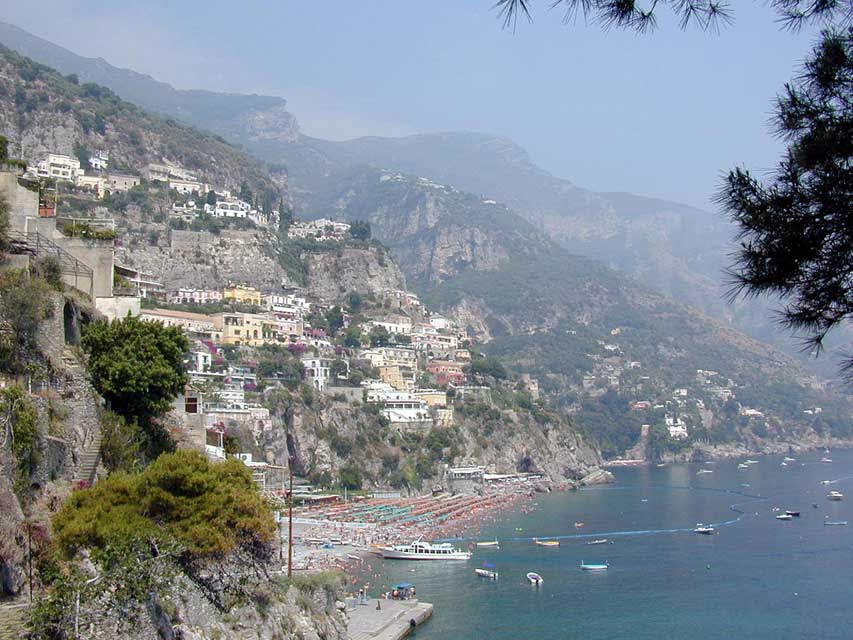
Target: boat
788	459
784	516
352	556
578	525
835	495
420	550
547	543
784	464
535	578
600	541
752	462
827	460
489	543
793	514
835	523
743	465
701	471
826	481
661	464
593	567
705	530
487	571
815	505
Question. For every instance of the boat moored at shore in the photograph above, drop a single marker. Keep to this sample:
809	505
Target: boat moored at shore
420	550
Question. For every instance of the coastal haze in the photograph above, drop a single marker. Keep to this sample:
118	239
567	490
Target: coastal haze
327	314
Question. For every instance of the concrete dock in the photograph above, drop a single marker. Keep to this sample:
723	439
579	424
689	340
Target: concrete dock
396	619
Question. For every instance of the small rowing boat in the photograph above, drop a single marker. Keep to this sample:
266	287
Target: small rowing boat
601	541
535	578
594	567
578	525
489	543
826	460
547	543
743	465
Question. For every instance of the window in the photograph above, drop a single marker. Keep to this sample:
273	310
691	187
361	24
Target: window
191	405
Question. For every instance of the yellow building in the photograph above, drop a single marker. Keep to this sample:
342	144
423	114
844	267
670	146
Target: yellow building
400	378
242	328
433	397
242	294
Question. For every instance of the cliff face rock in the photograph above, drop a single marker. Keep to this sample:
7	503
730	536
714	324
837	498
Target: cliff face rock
330	275
200	259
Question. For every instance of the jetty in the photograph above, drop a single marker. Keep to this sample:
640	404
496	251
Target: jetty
396	619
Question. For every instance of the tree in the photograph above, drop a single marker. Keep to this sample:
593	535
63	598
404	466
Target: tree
338	369
360	230
138	367
643	17
379	337
350	477
24	305
335	318
211	198
352	337
795	229
355	301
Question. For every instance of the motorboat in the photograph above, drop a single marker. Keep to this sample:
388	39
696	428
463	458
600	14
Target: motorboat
701	471
487	571
835	495
784	516
826	481
793	514
789	459
826	460
593	567
835	523
420	550
752	462
493	544
547	543
743	465
784	464
535	578
578	525
705	530
600	541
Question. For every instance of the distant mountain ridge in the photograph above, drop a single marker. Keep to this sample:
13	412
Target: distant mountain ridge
237	117
676	249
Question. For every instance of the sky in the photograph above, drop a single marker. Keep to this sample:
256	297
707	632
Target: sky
662	115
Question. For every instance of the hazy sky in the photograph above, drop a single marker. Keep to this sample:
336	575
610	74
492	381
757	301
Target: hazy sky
660	114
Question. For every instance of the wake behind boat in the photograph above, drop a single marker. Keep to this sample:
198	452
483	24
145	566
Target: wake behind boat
420	550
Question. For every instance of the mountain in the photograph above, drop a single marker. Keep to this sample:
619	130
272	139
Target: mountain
595	338
237	117
43	112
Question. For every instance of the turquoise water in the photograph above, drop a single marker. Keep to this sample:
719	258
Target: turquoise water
759	578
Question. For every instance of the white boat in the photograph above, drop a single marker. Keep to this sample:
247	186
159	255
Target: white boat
826	481
705	530
420	550
827	460
835	495
547	543
784	464
601	541
752	462
594	567
488	544
535	578
788	459
784	516
743	466
487	573
701	471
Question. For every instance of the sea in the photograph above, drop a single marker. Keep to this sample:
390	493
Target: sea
758	577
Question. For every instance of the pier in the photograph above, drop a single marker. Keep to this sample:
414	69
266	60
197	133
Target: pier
396	619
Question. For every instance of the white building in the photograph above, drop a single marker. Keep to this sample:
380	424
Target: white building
194	296
58	167
187	187
318	371
676	427
100	160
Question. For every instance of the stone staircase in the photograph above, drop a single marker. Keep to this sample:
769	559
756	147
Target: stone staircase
89	461
12	619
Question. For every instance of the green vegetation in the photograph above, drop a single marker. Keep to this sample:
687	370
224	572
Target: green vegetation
138	368
24	305
20	419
